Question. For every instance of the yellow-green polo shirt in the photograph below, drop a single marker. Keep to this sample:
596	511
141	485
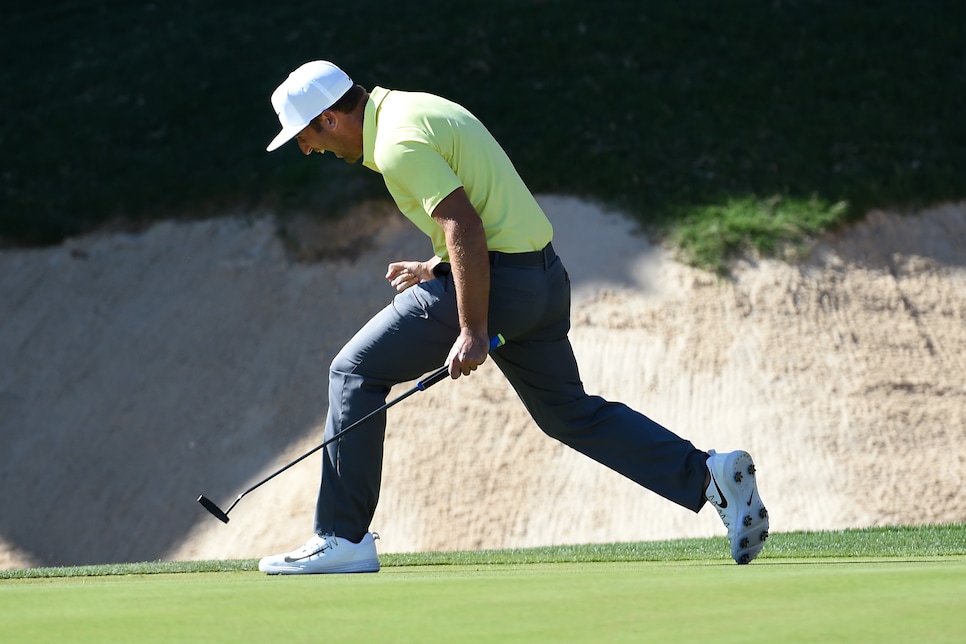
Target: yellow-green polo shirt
426	147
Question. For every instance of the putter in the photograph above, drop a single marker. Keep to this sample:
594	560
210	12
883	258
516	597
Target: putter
422	385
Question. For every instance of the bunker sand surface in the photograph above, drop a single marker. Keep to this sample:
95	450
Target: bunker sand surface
140	370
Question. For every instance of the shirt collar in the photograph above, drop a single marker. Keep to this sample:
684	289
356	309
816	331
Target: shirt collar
369	125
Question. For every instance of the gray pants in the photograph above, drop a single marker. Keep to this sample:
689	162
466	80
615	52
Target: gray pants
530	306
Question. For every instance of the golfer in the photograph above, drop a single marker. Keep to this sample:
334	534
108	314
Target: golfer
493	270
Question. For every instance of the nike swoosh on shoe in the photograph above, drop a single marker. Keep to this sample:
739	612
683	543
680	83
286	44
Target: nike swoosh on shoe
721	495
311	554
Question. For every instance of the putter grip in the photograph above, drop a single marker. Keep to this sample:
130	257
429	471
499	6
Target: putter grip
496	342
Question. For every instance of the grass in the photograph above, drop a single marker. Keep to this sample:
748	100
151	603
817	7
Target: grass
881	584
885	542
785	601
744	126
709	234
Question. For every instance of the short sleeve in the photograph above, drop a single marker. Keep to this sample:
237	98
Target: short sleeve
420	170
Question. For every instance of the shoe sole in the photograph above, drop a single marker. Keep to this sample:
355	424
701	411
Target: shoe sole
367	565
738	478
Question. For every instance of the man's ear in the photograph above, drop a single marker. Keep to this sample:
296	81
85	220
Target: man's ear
329	120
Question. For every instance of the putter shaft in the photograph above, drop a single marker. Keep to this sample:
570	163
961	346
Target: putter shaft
422	385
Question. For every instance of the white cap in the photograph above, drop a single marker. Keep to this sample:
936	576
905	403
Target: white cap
307	92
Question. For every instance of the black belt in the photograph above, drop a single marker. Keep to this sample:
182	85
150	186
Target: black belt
533	259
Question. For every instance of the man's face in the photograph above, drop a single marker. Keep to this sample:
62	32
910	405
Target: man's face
332	135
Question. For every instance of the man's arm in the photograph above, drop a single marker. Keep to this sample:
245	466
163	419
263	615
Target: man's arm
466	242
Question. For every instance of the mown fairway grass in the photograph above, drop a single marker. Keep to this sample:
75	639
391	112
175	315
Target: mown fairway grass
778	600
884	584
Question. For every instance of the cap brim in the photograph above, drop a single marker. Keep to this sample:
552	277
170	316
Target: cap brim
283	137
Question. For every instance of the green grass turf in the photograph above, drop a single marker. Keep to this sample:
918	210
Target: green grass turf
888	541
780	600
878	584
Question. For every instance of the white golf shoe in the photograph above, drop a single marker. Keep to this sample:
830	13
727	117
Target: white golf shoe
733	491
325	553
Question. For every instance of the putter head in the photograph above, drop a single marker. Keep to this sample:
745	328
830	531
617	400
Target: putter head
214	509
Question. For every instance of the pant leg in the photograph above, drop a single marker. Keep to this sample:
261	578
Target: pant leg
408	338
413	335
539	363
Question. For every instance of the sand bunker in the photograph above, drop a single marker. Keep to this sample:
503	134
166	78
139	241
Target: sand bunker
139	371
